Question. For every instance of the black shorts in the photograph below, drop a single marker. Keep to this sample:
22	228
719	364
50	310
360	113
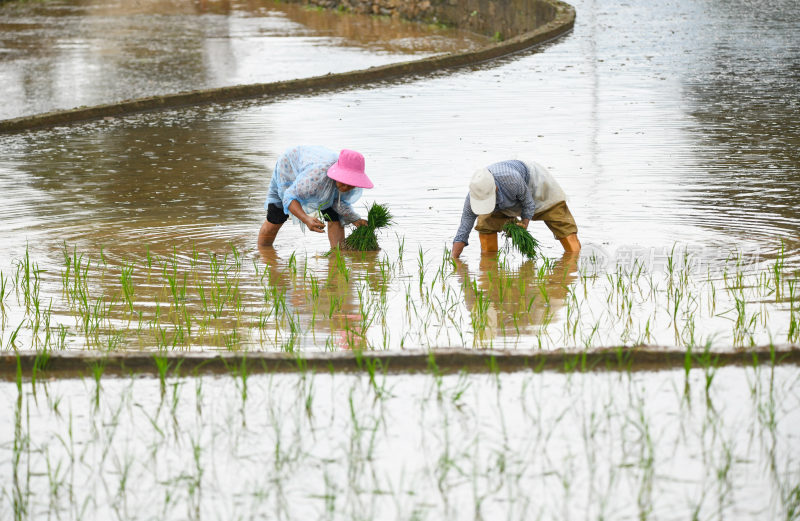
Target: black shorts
275	214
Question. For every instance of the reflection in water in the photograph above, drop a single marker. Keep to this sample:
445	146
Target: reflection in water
327	305
126	187
516	301
524	445
382	34
60	55
222	299
744	91
656	143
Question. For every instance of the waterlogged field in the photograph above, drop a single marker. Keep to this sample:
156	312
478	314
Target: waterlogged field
708	443
138	234
186	299
64	54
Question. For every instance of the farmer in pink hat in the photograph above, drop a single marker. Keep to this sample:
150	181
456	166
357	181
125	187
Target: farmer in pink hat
314	184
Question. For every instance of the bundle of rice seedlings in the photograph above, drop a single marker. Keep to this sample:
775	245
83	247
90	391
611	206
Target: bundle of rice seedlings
364	238
378	216
521	239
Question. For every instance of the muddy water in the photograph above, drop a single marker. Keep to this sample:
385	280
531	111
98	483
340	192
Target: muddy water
667	137
64	54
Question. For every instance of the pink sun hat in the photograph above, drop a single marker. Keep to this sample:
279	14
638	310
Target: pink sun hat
349	169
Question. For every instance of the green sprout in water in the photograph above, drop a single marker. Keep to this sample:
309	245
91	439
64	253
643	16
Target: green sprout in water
521	239
363	238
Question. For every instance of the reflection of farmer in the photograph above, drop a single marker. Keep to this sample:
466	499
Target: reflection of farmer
327	303
509	189
311	182
517	299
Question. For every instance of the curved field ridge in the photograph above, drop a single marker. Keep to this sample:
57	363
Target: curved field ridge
562	21
644	358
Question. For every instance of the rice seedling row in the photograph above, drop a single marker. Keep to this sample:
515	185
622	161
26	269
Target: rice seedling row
373	300
707	442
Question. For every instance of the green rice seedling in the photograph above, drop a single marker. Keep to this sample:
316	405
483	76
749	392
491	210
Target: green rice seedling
27	277
237	256
777	269
364	238
126	280
97	367
341	266
4	291
521	239
239	371
384	268
65	275
378	216
671	262
401	245
162	366
314	281
39	365
103	259
61	337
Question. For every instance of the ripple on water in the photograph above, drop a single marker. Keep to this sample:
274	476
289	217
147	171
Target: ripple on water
648	126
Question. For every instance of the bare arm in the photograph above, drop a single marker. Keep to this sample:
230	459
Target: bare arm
313	224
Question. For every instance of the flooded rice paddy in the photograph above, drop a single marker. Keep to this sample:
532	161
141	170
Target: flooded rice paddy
394	299
65	54
674	129
139	233
704	444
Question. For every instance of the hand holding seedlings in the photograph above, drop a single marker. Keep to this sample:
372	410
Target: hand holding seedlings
312	223
505	191
363	237
314	180
521	239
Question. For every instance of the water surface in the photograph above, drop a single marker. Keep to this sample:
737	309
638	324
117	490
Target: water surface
711	443
64	54
660	146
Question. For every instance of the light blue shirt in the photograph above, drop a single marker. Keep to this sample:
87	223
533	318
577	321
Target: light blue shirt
301	174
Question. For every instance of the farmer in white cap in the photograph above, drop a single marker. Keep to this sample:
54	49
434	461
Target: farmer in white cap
509	190
314	183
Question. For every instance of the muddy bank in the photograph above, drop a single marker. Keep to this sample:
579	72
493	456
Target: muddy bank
560	21
503	19
84	363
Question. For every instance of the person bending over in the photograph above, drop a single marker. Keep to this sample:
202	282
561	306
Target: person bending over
312	182
506	190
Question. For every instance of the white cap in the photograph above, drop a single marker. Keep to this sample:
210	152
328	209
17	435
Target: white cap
482	192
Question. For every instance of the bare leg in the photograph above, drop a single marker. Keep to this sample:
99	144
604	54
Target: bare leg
267	233
335	233
571	243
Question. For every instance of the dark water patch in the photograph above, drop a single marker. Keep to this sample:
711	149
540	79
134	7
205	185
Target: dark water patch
60	55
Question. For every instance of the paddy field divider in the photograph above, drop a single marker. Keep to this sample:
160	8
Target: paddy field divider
562	19
437	361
